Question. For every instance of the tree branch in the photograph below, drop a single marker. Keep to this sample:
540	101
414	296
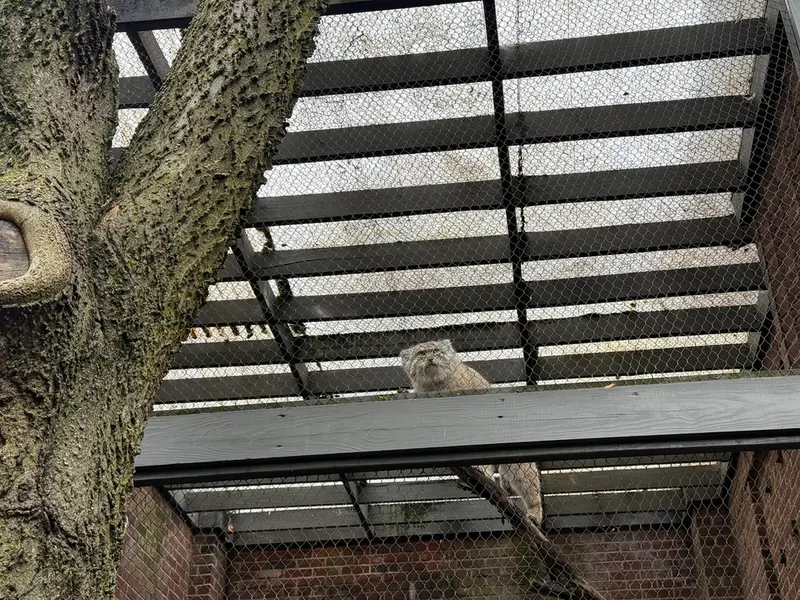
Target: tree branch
195	162
565	580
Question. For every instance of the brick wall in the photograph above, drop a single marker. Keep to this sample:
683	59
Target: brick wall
777	224
624	565
765	511
162	559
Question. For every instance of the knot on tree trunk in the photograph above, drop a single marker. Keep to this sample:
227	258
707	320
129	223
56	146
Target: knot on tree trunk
48	254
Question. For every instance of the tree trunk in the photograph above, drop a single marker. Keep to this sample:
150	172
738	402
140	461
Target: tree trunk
117	263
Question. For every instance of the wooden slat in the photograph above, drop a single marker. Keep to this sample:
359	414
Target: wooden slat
635	478
383	257
396	304
226	388
229	312
135	92
549	293
702	178
365	204
622	502
705	478
469	337
552	57
422	432
636	48
650	284
632	325
399	72
201	500
297	536
479	336
344	381
524	128
630	120
227	354
163	14
638	362
570	243
386	140
295	519
673	180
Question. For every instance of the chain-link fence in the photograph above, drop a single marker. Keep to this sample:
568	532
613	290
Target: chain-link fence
499	194
706	527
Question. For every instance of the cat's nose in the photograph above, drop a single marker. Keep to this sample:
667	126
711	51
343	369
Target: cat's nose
495	476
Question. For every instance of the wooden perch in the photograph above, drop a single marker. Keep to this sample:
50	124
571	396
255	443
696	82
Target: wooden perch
565	581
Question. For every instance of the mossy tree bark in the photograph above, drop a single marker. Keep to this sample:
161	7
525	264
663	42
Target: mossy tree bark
119	262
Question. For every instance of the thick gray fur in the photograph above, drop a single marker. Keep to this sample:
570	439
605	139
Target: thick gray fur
435	367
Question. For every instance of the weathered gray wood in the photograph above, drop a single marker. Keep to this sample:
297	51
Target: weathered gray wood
629	519
486	526
254	496
135	92
708	40
297	536
479	336
547	293
14	261
227	354
701	178
473	427
629	501
226	388
524	128
470	510
635	48
166	14
694	476
571	243
344	381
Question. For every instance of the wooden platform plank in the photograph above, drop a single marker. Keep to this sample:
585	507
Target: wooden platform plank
467	428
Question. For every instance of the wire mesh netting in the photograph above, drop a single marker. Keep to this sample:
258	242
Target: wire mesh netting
679	526
499	194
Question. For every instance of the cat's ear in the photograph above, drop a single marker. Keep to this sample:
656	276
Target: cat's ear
446	345
405	354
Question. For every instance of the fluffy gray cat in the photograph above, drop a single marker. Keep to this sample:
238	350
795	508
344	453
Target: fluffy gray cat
435	367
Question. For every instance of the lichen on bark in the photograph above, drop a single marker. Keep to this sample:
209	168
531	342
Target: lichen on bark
82	362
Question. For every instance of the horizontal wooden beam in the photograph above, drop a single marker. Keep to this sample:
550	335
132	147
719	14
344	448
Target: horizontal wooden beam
560	292
558	482
447	528
138	15
571	243
552	57
482	429
547	293
701	178
479	336
381	379
595	122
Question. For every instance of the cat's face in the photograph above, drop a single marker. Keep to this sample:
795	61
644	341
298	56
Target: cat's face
428	358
